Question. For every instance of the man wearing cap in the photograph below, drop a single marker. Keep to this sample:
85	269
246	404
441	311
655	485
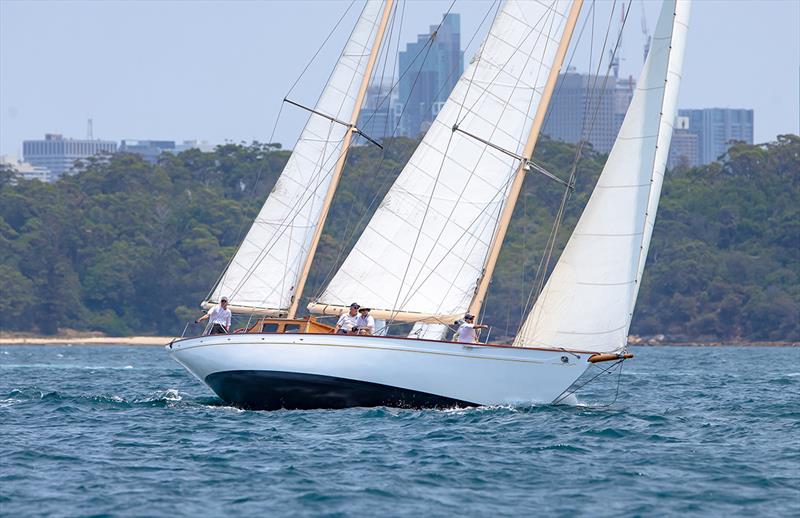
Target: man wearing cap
347	321
219	317
365	324
466	331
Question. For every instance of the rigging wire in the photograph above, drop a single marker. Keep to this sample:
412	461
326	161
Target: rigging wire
322	46
221	278
304	198
572	389
558	88
350	224
462	105
367	211
541	273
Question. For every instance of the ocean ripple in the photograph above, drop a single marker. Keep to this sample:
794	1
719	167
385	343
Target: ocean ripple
125	431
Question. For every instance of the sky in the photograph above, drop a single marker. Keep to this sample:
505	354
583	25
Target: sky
218	70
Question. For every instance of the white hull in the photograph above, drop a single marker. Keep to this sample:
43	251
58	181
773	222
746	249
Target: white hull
271	371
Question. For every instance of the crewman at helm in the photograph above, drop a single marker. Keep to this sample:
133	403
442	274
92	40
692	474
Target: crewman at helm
466	331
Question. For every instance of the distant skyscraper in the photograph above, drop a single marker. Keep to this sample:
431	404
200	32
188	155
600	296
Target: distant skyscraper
378	118
684	150
147	149
429	75
717	128
588	107
59	154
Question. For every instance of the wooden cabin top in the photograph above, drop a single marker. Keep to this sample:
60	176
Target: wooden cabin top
289	325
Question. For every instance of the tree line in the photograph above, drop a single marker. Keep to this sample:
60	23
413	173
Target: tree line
129	247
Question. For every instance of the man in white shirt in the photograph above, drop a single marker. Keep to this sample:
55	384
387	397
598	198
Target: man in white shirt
219	317
347	321
466	331
365	324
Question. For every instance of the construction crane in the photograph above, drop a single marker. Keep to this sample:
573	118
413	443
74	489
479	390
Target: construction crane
645	34
614	55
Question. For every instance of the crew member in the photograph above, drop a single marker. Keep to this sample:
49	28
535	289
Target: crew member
347	321
466	331
365	324
219	317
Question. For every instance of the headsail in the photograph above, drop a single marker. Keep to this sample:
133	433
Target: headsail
423	252
588	301
263	274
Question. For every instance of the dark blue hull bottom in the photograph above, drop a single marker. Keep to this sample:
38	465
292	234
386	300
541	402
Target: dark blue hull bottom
273	390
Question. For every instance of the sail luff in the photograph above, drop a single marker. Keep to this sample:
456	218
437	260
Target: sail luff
668	106
530	145
337	171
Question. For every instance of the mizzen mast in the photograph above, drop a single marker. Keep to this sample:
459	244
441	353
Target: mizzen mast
337	170
533	137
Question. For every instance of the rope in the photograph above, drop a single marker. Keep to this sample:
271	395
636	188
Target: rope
303	195
501	67
336	265
572	389
541	272
221	278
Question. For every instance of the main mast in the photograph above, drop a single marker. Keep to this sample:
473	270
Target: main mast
337	171
516	185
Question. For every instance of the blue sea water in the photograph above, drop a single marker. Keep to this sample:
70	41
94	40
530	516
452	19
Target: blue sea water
124	431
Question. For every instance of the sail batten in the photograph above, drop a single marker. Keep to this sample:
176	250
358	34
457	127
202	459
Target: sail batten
595	282
264	274
424	249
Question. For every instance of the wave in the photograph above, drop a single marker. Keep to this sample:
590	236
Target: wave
162	398
64	366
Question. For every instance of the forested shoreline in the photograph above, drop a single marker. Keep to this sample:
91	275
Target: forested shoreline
127	247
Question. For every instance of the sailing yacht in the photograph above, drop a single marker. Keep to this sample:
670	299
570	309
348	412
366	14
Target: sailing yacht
427	255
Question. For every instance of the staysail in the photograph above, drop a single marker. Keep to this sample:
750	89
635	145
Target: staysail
263	275
423	252
588	301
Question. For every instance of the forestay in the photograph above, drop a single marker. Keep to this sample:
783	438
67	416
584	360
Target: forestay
588	301
425	248
264	271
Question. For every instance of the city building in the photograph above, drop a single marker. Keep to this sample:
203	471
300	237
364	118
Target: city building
25	170
59	155
684	151
378	117
588	107
147	149
717	129
428	75
201	145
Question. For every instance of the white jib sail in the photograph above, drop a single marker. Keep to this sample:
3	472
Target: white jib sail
425	247
589	298
265	268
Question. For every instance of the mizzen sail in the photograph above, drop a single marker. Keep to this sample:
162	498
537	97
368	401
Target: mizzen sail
588	301
264	273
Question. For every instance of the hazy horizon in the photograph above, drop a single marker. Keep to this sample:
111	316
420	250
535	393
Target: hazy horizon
209	70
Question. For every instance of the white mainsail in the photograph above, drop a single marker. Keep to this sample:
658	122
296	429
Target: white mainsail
588	301
264	271
423	252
